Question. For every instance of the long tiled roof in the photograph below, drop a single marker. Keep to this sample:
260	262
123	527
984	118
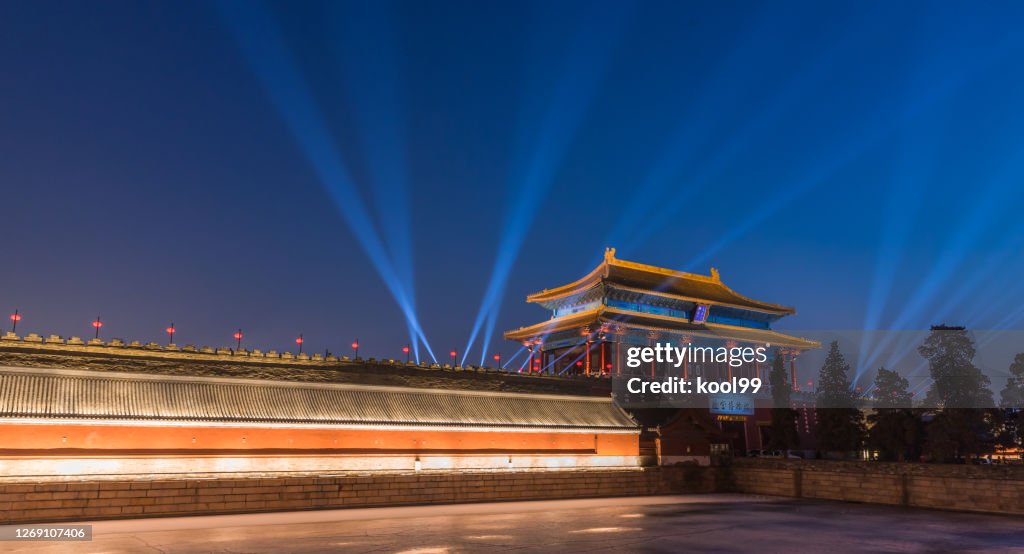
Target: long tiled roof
683	285
59	395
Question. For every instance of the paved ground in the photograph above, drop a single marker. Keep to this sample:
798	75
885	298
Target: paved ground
695	523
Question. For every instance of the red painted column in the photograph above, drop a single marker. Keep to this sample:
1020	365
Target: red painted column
792	367
586	362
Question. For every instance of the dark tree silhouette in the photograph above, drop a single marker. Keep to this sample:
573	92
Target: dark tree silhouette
840	427
956	381
965	424
1012	395
1010	433
896	429
783	434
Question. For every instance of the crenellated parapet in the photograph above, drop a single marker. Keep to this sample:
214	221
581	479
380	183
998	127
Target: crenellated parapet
52	351
119	347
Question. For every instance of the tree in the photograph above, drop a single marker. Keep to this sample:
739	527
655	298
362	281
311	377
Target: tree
896	429
1012	395
840	425
964	424
1011	401
783	434
956	381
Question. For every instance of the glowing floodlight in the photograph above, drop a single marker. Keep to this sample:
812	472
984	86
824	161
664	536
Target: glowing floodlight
544	143
258	34
355	346
299	342
15	318
96	325
405	350
170	331
238	337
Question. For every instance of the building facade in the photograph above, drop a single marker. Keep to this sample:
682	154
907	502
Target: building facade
620	304
96	424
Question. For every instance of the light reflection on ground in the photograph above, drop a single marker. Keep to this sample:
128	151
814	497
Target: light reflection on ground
719	523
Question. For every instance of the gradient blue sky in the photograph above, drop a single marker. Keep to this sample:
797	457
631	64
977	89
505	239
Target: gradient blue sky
860	162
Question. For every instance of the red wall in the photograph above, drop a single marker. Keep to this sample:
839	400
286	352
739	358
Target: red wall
21	439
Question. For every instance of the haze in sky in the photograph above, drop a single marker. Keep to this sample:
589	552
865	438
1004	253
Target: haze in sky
199	163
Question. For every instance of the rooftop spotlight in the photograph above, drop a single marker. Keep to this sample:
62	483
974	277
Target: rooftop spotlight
299	342
15	318
238	337
97	324
170	331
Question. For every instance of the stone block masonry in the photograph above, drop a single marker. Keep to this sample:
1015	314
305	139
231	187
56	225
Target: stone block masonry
991	489
967	488
25	502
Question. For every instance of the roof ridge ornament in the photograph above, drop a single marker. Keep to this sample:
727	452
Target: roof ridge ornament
715	275
609	254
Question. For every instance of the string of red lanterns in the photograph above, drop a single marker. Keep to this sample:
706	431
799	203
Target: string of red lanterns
97	324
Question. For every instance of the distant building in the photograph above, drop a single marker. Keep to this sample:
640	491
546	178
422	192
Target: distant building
622	304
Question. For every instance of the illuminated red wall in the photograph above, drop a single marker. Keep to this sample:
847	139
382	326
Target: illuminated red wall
35	439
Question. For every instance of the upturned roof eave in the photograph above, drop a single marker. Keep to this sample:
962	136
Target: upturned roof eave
603	272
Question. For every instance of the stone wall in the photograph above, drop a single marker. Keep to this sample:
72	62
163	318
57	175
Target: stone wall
968	488
998	489
77	501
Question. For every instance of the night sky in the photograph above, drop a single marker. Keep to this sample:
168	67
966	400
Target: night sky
196	162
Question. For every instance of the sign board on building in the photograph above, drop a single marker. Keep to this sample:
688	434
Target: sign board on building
731	404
